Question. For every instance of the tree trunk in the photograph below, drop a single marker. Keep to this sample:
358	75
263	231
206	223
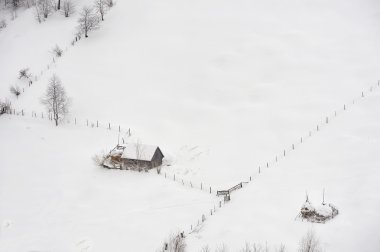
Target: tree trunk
59	5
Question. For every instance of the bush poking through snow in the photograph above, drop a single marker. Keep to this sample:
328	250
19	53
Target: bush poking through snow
15	90
88	21
68	8
57	51
176	243
100	158
109	3
3	24
24	73
5	107
310	243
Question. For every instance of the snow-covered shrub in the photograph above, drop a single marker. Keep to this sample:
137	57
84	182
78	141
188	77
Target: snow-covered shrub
175	243
3	24
68	8
109	3
310	243
24	73
5	107
221	248
15	90
57	51
100	158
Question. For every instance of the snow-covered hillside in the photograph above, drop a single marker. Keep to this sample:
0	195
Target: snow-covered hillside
223	87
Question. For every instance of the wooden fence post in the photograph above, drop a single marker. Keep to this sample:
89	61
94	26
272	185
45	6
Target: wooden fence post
109	126
174	177
327	120
250	179
97	124
210	189
201	186
259	169
75	120
267	165
284	153
119	128
22	112
293	146
87	122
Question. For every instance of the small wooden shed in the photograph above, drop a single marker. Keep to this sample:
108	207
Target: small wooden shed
135	156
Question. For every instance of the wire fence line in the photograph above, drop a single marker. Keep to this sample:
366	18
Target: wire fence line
73	121
322	124
196	226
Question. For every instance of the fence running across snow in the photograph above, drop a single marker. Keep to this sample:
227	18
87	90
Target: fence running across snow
198	224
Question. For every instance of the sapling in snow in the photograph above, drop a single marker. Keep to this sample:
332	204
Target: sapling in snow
100	8
68	8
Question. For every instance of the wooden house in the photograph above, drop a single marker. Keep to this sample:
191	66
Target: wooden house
135	156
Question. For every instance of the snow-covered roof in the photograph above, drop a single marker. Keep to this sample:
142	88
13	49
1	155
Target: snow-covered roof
135	151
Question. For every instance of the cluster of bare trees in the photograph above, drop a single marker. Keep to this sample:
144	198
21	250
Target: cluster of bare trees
55	99
5	106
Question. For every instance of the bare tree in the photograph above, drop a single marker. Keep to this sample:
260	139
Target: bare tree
55	99
310	243
15	90
59	5
68	8
38	14
100	8
87	21
45	7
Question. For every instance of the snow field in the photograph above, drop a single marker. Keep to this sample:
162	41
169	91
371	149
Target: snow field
55	199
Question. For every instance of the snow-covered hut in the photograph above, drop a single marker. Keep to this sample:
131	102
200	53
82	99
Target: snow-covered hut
135	156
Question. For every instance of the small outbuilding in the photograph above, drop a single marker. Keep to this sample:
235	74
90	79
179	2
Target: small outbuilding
134	156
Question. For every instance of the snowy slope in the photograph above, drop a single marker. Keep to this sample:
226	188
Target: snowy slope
343	159
238	80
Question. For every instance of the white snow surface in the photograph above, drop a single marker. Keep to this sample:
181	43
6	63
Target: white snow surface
223	87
